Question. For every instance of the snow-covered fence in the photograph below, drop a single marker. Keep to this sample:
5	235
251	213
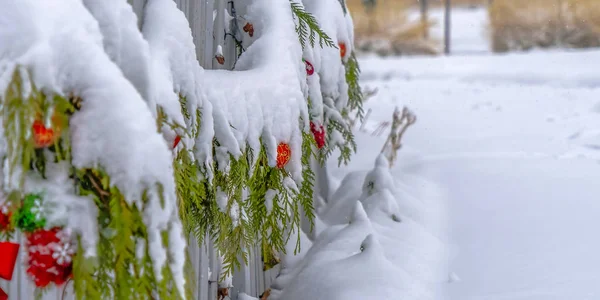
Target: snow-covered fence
200	16
251	279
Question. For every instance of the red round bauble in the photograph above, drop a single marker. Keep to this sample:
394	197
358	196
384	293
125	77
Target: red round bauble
319	134
50	254
309	67
342	49
284	153
43	137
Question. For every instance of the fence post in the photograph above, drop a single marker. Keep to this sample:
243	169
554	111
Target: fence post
447	27
424	18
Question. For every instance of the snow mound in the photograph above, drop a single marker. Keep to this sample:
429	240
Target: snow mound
372	250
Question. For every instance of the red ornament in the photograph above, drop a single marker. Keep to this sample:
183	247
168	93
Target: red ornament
249	28
176	142
50	257
43	137
342	49
319	134
284	152
309	67
8	259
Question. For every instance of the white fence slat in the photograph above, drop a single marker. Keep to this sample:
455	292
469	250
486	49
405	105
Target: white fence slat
213	262
219	32
258	269
194	253
203	286
204	46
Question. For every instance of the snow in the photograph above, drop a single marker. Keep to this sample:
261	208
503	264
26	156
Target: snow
122	41
370	248
512	140
263	97
175	73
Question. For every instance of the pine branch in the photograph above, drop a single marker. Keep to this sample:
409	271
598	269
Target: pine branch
355	94
308	28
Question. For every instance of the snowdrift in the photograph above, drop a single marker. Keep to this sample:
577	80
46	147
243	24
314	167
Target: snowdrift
371	245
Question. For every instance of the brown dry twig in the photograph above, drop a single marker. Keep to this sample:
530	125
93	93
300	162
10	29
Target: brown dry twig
400	122
101	192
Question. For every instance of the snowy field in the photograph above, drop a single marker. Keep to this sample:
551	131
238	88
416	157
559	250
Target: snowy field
519	158
514	143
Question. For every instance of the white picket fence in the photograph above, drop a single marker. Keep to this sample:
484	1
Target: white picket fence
251	279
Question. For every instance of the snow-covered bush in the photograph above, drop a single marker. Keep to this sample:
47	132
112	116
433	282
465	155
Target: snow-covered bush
116	142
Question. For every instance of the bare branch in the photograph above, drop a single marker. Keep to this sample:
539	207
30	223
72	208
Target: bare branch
400	122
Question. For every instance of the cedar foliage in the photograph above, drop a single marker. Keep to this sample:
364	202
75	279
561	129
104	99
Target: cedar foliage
119	272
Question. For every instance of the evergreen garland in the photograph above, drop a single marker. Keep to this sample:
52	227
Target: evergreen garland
245	221
121	271
245	183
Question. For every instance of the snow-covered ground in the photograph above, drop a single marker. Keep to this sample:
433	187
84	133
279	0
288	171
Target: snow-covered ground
519	159
514	140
